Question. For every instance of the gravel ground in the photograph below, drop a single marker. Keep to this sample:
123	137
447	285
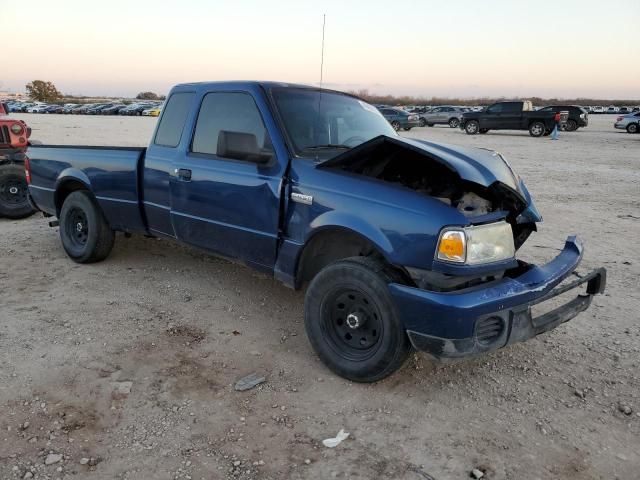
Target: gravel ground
125	369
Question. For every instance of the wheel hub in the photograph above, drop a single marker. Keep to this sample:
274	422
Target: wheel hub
353	321
79	226
13	190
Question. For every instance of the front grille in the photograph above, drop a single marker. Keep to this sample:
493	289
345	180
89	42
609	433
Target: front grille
488	330
5	138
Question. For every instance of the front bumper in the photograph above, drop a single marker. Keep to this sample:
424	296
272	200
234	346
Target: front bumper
450	325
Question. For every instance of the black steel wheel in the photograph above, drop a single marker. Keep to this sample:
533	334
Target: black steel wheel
14	199
351	320
84	231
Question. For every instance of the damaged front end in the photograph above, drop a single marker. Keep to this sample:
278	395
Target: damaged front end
477	183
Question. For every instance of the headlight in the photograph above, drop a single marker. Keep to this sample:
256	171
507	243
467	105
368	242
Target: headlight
16	128
476	245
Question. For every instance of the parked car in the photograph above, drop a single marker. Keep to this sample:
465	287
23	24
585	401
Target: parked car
135	109
578	116
53	109
612	109
152	112
597	109
629	122
508	116
112	109
444	115
624	110
399	118
83	109
14	139
37	108
400	242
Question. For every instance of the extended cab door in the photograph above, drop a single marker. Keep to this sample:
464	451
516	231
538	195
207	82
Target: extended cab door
221	199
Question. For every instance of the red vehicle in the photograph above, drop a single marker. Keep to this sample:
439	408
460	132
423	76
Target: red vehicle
14	139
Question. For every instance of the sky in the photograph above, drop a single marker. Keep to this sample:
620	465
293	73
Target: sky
453	48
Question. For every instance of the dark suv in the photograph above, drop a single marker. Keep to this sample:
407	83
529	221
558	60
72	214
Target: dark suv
578	116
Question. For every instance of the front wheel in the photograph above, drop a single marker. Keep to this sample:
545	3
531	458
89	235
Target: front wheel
536	129
632	128
423	122
454	123
14	201
85	234
396	125
472	127
352	322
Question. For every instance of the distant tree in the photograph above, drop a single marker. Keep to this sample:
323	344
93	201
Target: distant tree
147	96
43	91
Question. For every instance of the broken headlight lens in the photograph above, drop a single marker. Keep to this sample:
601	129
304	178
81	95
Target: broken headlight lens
476	245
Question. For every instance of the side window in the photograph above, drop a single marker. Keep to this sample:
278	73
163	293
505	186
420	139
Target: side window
496	108
512	107
173	119
230	113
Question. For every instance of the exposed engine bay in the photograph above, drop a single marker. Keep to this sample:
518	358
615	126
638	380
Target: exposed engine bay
406	164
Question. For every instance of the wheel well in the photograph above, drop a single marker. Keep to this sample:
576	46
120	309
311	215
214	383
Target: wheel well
329	246
64	190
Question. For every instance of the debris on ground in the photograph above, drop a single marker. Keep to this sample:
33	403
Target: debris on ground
250	381
337	440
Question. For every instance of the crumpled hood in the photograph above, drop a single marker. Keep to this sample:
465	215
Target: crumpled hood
481	166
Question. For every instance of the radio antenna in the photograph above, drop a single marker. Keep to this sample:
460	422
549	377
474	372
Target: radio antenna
324	20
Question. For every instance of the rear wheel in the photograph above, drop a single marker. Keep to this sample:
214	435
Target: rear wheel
570	126
632	128
454	122
85	234
536	129
14	200
351	320
472	127
396	125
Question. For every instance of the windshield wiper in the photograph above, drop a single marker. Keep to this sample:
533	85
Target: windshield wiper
327	146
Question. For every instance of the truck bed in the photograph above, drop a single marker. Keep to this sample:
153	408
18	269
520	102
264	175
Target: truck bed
111	173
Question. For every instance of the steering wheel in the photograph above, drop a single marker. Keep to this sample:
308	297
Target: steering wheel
355	138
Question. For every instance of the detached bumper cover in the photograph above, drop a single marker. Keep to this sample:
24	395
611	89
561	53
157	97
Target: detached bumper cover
450	325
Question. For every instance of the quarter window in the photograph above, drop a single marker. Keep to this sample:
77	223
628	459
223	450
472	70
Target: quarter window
173	119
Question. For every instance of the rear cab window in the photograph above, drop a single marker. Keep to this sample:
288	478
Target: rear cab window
173	119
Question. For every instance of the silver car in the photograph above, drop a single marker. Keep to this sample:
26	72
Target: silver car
629	122
444	114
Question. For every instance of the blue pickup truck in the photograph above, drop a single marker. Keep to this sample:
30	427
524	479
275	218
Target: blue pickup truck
399	243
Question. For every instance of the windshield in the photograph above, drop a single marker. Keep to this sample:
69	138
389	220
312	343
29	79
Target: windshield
328	123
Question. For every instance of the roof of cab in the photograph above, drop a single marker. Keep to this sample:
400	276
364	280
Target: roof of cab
249	84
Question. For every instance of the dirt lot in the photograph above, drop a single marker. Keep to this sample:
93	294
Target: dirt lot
126	368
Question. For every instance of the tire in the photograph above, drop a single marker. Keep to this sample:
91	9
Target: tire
547	132
454	122
484	130
472	127
339	298
632	128
396	125
537	129
570	126
423	122
84	232
14	199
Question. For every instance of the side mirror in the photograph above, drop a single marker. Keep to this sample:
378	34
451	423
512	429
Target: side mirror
242	146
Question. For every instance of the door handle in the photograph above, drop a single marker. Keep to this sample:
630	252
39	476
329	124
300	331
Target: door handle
183	174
